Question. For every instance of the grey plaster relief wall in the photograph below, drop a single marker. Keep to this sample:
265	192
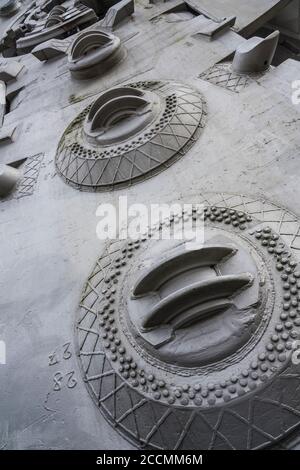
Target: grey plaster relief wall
147	342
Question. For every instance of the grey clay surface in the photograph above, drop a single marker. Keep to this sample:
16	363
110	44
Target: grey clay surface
122	345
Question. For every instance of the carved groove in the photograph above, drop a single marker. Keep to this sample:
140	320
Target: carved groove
196	294
178	264
201	312
116	110
118	114
93	53
87	41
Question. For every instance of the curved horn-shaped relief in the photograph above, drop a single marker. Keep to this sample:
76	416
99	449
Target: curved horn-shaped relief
256	54
179	263
197	294
110	95
55	16
191	291
93	53
119	114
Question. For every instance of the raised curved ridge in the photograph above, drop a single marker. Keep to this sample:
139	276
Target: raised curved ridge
201	312
89	40
222	287
178	264
116	109
110	95
55	16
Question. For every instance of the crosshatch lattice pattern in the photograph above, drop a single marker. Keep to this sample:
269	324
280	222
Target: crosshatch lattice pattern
255	421
281	220
30	176
28	181
92	169
223	76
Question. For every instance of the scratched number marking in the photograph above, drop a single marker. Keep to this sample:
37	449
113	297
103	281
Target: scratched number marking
66	354
72	382
59	378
